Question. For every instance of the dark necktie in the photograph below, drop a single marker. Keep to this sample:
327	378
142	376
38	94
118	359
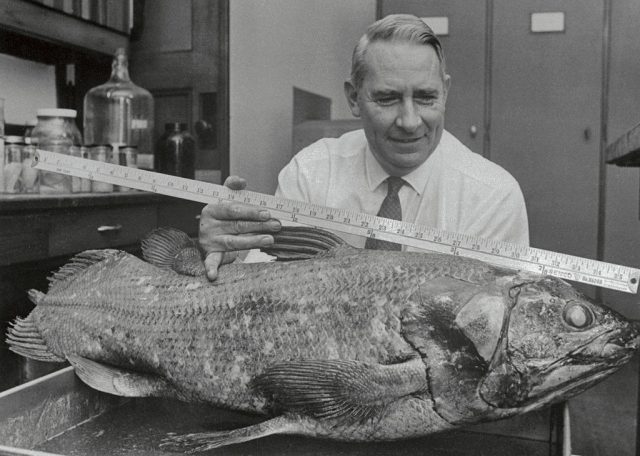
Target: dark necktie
390	208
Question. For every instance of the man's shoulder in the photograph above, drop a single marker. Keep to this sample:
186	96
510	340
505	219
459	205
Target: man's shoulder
350	144
461	159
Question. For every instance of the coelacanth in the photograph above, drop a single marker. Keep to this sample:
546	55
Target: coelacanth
330	341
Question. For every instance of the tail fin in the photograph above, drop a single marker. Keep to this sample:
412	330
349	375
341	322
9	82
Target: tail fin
25	339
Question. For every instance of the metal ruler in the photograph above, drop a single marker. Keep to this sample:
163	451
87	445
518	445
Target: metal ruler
504	254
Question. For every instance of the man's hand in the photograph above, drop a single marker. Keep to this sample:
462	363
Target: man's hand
226	228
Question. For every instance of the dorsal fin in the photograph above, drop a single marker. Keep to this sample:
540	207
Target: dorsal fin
79	263
170	248
25	339
303	243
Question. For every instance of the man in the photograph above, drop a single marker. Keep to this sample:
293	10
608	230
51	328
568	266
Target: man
402	163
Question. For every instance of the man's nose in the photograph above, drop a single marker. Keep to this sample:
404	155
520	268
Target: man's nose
408	118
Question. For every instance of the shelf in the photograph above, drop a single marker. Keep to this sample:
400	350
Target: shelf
625	151
37	21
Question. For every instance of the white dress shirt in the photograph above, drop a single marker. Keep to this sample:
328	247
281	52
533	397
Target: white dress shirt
455	189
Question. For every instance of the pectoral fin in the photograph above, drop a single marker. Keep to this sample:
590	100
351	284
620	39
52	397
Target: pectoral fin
119	382
338	389
169	248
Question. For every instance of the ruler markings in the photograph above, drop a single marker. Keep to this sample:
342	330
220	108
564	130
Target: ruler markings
504	254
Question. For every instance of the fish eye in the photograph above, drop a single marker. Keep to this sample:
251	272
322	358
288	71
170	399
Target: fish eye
578	316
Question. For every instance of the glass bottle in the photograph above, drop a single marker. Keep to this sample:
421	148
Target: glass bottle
2	153
119	113
56	131
176	154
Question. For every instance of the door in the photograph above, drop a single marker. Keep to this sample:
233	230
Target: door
463	41
181	58
545	115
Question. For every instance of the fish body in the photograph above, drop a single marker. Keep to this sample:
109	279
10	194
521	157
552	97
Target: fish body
346	344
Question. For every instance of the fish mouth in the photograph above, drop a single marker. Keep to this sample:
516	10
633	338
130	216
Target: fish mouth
585	366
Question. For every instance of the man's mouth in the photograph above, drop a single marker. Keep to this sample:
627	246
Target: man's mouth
406	140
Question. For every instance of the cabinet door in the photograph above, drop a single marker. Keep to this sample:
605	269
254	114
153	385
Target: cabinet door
545	117
181	59
464	48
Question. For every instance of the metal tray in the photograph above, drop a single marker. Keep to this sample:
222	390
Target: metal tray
58	415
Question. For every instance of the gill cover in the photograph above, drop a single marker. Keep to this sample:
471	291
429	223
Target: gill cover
460	331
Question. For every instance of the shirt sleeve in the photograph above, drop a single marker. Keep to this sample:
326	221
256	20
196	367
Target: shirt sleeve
291	185
503	217
306	177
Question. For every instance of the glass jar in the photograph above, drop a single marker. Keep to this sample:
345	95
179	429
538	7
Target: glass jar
102	154
30	175
176	154
56	131
119	113
12	166
128	157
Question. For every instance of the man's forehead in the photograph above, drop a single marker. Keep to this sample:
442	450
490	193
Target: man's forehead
383	56
391	65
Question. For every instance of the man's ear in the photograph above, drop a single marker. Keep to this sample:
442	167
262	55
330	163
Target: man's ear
351	93
447	85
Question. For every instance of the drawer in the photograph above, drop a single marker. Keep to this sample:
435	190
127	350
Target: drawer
78	230
23	238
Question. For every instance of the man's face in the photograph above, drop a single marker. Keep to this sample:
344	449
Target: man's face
401	103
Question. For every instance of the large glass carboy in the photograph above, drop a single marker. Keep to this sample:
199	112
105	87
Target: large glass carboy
119	113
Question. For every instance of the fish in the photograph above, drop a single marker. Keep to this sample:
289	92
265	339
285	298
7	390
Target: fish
328	341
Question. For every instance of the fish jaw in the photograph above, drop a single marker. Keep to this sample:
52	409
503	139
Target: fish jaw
588	365
549	355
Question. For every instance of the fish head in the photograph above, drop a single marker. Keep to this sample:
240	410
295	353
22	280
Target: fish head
554	343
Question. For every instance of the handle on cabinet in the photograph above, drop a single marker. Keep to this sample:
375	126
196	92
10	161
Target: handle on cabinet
109	228
473	131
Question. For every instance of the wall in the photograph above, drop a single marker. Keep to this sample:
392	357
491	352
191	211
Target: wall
25	87
622	208
274	46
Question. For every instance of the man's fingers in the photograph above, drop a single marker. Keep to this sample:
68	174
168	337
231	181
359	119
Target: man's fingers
234	211
235	183
211	263
233	242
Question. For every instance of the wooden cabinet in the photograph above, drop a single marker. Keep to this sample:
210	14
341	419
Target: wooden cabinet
39	228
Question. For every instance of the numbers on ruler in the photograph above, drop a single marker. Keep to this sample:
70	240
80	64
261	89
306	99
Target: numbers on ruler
364	224
263	203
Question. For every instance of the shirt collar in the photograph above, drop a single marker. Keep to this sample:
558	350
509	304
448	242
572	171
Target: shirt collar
417	178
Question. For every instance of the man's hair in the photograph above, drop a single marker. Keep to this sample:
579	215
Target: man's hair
394	28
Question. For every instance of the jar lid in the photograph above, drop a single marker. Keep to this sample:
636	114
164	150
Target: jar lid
54	112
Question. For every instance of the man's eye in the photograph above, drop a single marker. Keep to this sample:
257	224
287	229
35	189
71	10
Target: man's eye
386	101
425	101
